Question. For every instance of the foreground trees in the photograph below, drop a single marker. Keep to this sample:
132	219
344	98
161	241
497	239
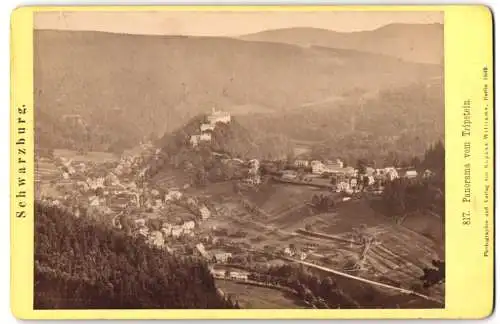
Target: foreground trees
80	264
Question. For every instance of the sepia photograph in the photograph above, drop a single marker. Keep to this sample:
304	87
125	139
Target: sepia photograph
239	159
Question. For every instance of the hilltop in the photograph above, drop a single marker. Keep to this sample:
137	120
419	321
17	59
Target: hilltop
209	158
421	43
127	86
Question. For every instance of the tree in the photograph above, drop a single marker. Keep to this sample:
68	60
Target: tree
361	165
415	162
200	178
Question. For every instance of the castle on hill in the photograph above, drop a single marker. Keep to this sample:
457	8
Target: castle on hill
207	128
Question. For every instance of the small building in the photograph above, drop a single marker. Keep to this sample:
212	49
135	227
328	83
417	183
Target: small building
411	174
204	212
288	252
189	225
427	174
222	257
219	117
235	275
194	140
317	167
255	180
144	231
190	201
301	163
343	186
173	195
177	231
206	137
156	239
391	173
140	222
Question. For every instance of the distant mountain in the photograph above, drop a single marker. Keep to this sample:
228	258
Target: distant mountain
421	43
126	86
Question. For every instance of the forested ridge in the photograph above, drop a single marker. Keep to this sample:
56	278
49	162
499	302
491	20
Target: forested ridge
405	196
80	264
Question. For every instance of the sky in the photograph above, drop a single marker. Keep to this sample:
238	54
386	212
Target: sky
229	23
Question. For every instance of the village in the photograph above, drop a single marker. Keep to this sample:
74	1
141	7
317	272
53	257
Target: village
224	230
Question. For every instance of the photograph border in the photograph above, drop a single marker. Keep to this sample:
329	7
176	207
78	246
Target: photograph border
468	48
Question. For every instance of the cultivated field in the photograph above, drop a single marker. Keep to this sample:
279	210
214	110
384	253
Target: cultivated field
254	297
397	256
93	156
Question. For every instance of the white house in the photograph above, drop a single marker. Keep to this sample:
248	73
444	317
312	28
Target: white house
204	212
140	222
219	117
177	231
410	174
144	231
317	167
235	275
301	163
302	256
189	225
342	186
194	140
428	173
156	239
353	183
222	257
173	195
391	173
207	137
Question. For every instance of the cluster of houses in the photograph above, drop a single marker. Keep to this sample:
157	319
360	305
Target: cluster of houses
112	189
348	179
208	126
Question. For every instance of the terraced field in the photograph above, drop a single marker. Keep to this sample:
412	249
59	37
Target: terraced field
46	171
